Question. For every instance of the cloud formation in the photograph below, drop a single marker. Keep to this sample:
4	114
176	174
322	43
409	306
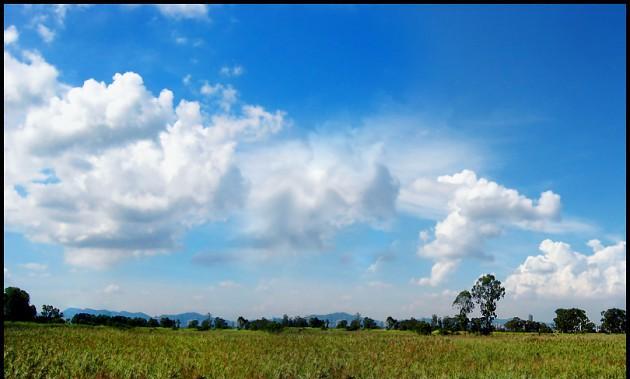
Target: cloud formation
479	209
110	171
561	272
307	191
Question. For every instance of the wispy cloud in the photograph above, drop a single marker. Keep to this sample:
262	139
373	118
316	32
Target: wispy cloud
233	71
184	11
47	34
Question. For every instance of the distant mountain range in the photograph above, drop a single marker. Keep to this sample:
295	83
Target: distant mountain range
70	312
185	318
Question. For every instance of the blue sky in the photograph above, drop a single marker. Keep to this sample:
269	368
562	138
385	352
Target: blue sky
266	160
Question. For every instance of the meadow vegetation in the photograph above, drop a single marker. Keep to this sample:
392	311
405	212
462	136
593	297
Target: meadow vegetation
101	346
77	351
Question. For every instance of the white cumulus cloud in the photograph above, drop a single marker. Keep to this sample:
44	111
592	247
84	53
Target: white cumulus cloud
561	272
479	209
110	171
27	84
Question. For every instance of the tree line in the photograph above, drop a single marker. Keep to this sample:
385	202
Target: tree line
485	293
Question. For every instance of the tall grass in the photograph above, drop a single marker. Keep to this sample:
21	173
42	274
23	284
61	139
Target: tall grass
32	351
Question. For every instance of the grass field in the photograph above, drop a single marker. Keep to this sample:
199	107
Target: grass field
40	351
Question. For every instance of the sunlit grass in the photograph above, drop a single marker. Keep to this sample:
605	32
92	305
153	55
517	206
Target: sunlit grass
35	351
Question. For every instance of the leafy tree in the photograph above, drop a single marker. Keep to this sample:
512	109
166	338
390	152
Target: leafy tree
152	323
166	322
193	324
476	325
450	324
16	305
391	323
115	321
300	322
50	314
614	321
544	328
285	320
416	325
355	324
486	292
242	323
314	322
369	323
573	320
342	324
515	325
266	325
435	322
138	322
220	323
464	302
206	324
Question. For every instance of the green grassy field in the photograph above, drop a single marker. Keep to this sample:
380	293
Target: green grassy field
39	351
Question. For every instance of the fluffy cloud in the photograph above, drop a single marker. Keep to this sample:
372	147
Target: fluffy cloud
27	84
11	35
184	11
110	171
479	209
306	191
562	272
96	116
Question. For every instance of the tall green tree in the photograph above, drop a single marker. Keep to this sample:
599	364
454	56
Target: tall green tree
486	292
390	323
573	320
220	323
242	323
464	302
193	324
16	305
614	321
369	323
50	314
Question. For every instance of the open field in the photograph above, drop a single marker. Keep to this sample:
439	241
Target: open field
41	351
